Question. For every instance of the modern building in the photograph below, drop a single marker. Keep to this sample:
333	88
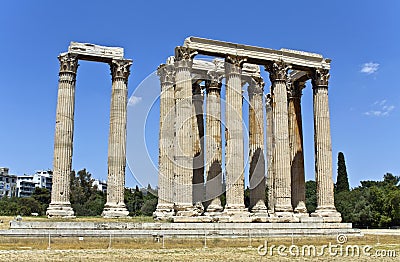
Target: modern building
8	183
26	184
101	185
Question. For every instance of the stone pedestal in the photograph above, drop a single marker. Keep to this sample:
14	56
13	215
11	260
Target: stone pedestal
115	206
60	205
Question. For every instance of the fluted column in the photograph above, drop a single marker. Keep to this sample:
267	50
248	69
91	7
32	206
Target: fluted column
296	147
256	146
278	77
213	143
234	160
198	143
323	146
115	206
165	205
63	141
183	130
270	153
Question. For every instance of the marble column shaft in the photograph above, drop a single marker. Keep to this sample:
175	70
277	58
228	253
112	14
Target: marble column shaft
213	143
278	77
323	144
256	145
183	130
234	160
166	139
198	145
115	206
63	141
296	147
270	153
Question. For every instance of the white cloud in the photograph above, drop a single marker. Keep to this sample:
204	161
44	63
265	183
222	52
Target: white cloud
134	100
380	109
369	68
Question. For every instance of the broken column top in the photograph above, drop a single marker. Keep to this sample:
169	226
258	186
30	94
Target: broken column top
91	52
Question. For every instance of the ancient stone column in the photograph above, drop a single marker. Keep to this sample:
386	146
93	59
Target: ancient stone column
270	153
323	148
115	206
213	144
234	152
256	146
278	77
165	205
63	141
198	142
296	147
183	130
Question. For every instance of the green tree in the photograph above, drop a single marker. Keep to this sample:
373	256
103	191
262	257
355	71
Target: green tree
85	199
342	183
311	195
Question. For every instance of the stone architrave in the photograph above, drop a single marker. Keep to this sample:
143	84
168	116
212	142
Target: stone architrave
165	205
296	147
213	144
323	148
60	205
234	153
198	145
115	206
183	131
256	146
270	153
282	189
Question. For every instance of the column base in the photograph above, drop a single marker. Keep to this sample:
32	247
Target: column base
259	208
301	208
164	212
189	210
329	214
56	210
115	211
214	208
236	213
283	208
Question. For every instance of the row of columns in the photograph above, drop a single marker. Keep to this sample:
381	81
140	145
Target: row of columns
285	180
63	142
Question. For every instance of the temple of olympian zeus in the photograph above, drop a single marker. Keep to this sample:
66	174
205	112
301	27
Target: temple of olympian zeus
191	176
188	150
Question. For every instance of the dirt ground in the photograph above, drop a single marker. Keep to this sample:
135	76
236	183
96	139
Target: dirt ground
195	249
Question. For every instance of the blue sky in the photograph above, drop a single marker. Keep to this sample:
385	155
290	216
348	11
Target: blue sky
361	38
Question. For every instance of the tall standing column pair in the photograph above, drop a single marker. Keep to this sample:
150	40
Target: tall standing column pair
63	142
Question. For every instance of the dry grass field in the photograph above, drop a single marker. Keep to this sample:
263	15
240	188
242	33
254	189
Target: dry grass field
178	249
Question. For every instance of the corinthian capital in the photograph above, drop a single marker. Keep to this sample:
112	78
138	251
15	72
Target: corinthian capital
184	53
295	89
256	86
120	69
68	62
214	80
166	72
277	71
233	64
320	77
